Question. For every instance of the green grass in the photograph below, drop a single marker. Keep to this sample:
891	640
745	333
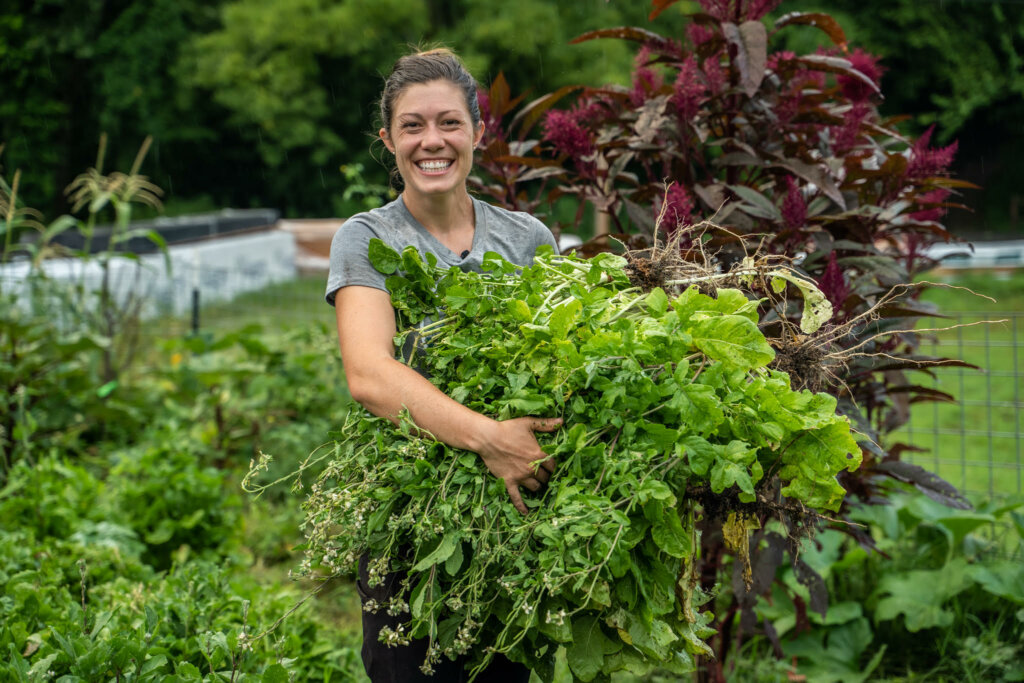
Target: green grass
276	308
976	442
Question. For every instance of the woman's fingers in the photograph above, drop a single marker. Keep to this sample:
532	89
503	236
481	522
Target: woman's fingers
532	484
545	424
517	498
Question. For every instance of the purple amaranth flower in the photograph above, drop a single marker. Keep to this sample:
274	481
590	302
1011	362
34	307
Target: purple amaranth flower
933	199
645	79
794	208
846	136
775	58
714	74
925	162
563	130
854	88
688	91
699	34
832	283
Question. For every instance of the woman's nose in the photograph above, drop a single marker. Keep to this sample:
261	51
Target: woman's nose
432	138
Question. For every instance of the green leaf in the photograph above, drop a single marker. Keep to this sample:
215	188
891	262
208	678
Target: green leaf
920	595
275	673
563	317
1004	579
589	646
382	257
656	302
733	340
670	536
817	309
441	553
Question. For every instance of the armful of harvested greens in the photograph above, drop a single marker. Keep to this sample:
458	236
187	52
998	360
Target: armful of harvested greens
671	409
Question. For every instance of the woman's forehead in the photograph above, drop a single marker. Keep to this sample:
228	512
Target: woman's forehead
431	99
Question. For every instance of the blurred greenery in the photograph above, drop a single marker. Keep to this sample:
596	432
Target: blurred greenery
261	102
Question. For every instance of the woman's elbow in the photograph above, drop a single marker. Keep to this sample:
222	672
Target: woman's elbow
361	389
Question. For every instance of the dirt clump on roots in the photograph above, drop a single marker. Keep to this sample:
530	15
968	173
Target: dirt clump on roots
804	361
645	272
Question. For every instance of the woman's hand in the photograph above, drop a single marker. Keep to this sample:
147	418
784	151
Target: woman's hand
511	453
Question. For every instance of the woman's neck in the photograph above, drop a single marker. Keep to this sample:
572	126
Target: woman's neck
446	216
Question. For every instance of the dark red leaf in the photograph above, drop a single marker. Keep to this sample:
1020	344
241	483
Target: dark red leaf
823	21
534	162
951	182
499	95
659	6
922	393
816	588
751	42
908	311
655	41
836	65
928	483
814	174
535	110
923	362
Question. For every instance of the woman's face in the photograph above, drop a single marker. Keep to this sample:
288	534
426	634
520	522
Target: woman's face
432	138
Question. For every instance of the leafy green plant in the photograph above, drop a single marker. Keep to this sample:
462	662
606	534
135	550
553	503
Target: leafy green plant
79	598
948	581
244	391
667	404
163	493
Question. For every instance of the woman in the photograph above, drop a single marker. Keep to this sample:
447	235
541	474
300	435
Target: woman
430	122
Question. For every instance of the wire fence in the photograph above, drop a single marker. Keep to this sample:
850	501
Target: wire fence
974	440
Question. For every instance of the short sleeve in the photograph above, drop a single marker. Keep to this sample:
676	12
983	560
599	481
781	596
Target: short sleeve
349	262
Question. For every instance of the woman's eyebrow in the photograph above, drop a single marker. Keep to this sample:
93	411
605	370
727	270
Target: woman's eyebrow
417	115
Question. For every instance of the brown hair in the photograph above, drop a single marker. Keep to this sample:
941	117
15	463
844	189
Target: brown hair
425	66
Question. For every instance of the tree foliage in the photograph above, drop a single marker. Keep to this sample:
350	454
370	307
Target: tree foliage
259	102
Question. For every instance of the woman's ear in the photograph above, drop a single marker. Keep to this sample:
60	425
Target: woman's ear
478	134
386	139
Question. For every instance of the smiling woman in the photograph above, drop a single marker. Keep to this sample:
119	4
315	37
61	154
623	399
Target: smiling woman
430	121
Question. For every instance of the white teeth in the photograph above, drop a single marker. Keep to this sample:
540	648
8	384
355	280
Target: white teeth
434	165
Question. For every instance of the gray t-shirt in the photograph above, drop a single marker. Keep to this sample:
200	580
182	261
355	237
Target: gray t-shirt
514	235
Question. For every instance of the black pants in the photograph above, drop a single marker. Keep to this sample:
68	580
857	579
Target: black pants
402	664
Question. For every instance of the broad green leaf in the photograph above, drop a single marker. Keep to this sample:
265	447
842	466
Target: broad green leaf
670	536
733	340
563	317
656	302
920	595
589	646
1003	579
275	673
382	257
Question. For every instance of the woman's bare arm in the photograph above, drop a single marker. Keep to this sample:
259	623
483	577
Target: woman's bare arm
384	386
